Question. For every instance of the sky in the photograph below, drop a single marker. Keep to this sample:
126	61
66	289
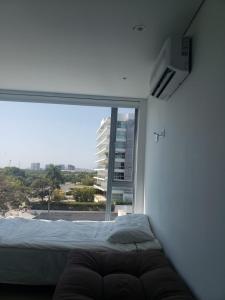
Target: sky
48	133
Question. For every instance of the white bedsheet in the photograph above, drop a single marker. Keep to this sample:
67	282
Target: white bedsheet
42	234
35	251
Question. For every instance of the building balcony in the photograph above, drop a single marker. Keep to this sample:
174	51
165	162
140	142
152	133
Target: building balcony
100	187
102	160
104	124
102	173
104	141
122	150
103	133
99	178
103	150
121	139
119	159
118	170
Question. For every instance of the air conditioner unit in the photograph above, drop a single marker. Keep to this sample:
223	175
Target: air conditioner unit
171	68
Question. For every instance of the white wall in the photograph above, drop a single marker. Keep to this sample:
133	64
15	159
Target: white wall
185	171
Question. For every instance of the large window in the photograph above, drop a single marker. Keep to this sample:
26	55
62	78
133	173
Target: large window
48	167
120	155
119	165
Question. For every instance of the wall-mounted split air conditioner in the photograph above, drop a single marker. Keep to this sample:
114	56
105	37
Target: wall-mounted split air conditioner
172	66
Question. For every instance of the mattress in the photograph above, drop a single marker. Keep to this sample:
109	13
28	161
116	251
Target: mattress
35	252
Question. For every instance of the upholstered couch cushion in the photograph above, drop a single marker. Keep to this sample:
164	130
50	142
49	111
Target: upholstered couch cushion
114	275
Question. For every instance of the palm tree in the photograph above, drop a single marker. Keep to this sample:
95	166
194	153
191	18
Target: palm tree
55	178
40	187
54	175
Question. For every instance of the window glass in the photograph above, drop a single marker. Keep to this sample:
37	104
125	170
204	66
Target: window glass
48	168
120	155
120	145
121	124
123	183
118	175
55	161
121	135
119	165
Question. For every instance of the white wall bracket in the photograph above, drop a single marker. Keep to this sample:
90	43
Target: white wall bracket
158	134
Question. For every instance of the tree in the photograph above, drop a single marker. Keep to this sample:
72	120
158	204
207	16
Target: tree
40	187
87	180
12	193
58	195
15	172
85	194
55	178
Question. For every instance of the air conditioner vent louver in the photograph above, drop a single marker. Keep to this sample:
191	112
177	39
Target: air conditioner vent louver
163	81
171	68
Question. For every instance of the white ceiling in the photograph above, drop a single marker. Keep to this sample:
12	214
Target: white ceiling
85	46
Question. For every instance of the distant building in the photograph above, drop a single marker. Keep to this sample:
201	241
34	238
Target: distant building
35	166
61	167
71	168
124	152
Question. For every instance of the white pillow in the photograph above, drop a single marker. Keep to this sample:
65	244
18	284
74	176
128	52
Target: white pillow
129	236
137	221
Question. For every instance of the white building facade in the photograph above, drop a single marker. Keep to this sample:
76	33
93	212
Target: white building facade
124	156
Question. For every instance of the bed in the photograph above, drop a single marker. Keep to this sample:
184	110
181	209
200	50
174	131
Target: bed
34	252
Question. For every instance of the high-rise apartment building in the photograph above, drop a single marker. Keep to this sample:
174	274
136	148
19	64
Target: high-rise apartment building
35	166
61	167
124	154
71	168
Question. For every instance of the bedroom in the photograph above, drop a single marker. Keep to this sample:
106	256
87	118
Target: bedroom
181	179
